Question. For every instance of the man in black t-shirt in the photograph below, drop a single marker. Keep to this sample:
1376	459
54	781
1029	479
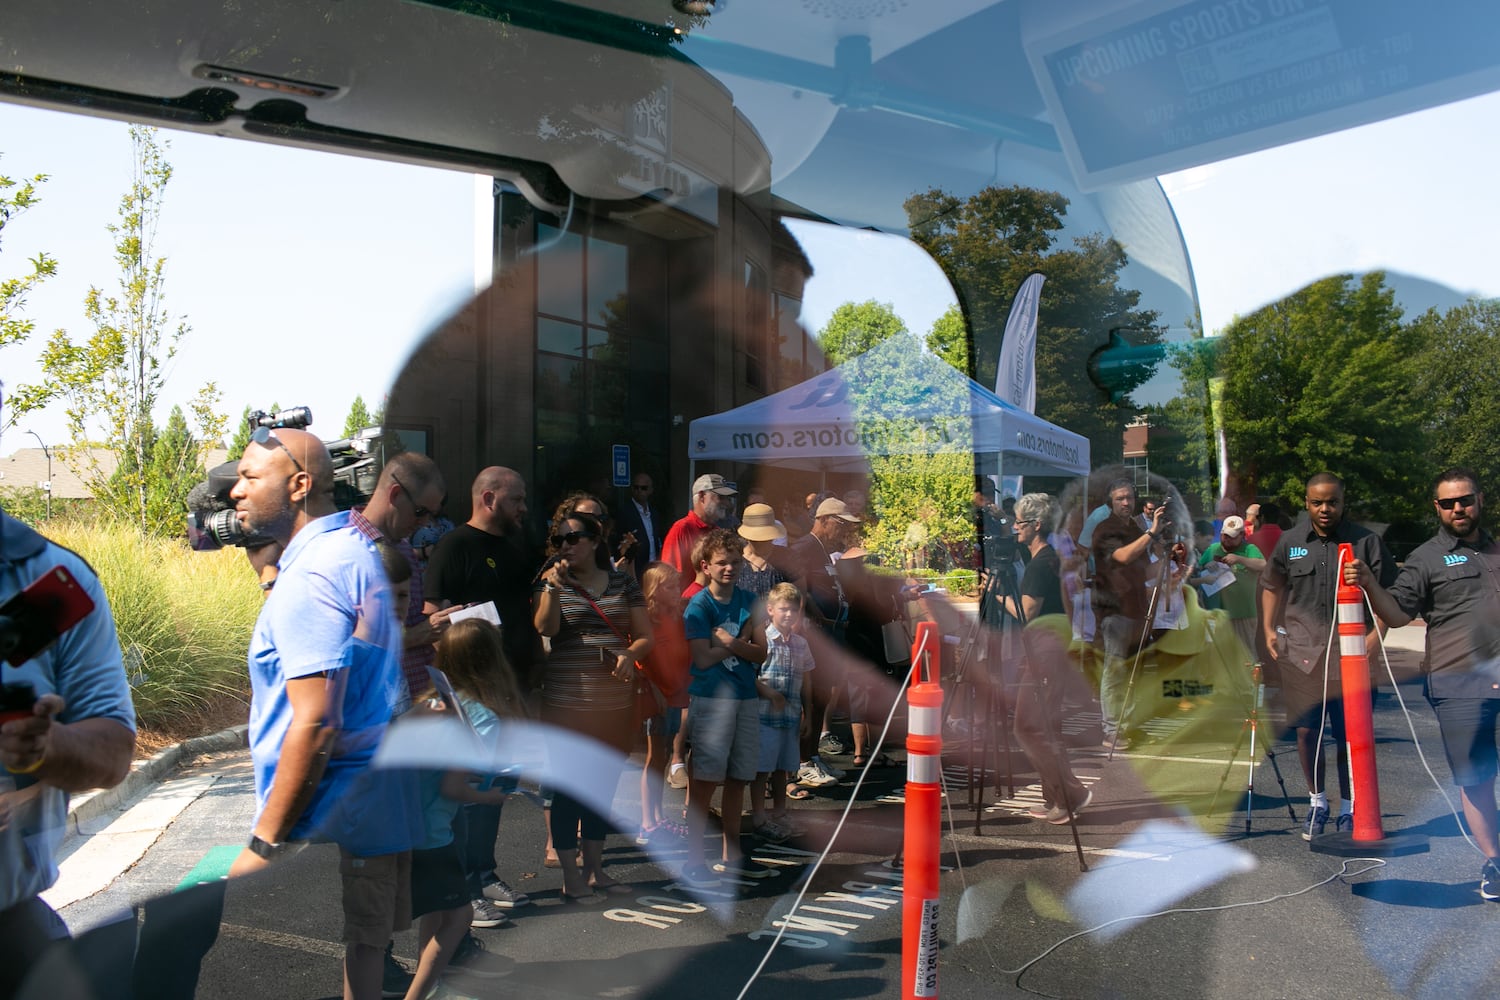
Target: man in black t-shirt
490	559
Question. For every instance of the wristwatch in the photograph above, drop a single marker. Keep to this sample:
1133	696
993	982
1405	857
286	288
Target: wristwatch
269	852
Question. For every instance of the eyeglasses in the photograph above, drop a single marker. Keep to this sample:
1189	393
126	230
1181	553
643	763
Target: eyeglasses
571	538
263	434
416	508
1448	503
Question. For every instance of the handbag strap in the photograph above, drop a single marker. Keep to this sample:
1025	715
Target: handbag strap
600	612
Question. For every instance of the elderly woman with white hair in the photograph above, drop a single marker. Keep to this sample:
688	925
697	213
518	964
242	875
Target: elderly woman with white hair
1041	598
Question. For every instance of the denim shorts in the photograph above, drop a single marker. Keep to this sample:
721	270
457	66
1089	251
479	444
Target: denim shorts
668	724
726	738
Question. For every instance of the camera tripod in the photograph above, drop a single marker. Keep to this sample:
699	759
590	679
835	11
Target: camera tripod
1251	726
1163	577
1037	674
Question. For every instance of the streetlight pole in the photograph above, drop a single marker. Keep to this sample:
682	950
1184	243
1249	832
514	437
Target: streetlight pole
47	486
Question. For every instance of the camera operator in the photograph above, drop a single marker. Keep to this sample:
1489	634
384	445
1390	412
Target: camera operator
79	734
325	674
1122	558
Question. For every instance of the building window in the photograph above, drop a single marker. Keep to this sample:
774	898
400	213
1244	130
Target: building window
790	344
757	327
600	372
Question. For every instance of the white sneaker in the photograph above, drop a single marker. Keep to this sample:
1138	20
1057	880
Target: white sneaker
812	776
836	773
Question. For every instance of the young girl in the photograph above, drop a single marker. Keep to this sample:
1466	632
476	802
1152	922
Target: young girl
667	669
472	658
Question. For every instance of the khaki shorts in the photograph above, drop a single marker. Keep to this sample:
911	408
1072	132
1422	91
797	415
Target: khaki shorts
377	897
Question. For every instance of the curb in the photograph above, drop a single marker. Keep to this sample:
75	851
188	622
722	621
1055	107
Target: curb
149	771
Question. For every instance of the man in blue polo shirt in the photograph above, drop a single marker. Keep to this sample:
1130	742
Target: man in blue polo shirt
325	677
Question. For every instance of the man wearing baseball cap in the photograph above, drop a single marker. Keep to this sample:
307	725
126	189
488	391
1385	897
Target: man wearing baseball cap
828	607
1241	598
708	508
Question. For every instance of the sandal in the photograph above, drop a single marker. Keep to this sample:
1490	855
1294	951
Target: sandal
591	899
796	791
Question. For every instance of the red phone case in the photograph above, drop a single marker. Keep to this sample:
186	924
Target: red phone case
54	603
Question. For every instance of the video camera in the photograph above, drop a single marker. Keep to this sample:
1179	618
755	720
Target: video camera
211	520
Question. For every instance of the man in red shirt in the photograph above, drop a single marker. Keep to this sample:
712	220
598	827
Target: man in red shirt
708	507
1261	527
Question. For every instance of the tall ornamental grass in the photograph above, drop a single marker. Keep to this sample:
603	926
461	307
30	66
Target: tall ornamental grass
184	618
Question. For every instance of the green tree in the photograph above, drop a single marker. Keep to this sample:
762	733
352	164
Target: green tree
1455	382
855	327
110	383
949	338
987	245
17	197
241	439
1179	447
927	478
176	467
358	419
1325	379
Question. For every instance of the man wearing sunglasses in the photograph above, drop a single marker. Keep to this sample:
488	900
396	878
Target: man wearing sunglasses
1452	581
325	677
410	489
1298	590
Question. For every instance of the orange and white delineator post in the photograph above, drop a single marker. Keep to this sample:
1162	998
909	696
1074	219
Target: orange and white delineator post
1359	722
924	803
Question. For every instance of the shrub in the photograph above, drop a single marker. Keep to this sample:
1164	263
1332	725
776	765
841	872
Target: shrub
184	618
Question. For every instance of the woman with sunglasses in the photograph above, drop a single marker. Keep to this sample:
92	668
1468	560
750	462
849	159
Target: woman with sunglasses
600	632
586	503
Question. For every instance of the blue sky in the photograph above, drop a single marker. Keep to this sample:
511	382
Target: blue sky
307	278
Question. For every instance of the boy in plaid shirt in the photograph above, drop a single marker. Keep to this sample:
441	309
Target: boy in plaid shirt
785	712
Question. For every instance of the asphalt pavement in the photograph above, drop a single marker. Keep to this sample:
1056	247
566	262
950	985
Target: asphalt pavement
1174	902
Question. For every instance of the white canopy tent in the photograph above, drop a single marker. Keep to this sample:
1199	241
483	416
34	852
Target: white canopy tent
893	399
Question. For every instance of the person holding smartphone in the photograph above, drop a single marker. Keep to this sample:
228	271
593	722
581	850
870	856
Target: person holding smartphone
67	725
596	617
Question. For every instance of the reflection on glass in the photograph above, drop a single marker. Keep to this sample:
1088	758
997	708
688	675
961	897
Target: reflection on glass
559	338
608	279
557	274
